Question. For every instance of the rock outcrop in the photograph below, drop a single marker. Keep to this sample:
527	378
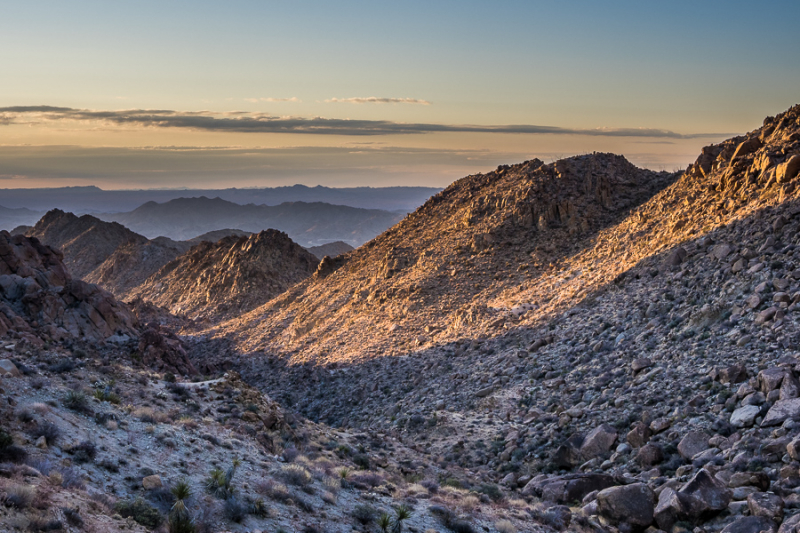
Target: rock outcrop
230	276
39	300
105	253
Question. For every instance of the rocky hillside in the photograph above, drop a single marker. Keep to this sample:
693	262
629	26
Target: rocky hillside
438	275
308	224
332	249
40	305
40	302
104	253
640	375
230	276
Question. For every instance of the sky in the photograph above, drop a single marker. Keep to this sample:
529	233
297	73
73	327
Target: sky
264	93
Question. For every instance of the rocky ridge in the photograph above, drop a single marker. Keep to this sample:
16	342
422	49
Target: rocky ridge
104	253
438	275
230	276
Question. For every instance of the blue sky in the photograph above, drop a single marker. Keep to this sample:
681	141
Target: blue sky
687	67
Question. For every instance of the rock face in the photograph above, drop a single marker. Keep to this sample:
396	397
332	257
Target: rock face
40	301
105	253
230	276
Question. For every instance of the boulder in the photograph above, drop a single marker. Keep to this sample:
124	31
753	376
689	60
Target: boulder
750	524
693	443
151	482
788	170
649	455
672	506
708	493
744	416
598	442
634	504
793	449
569	488
733	374
639	435
770	379
782	411
791	525
8	369
766	504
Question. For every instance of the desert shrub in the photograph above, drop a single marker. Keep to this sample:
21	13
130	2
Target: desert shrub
220	483
48	430
13	454
273	490
62	365
20	496
303	504
39	383
109	464
71	478
331	484
76	401
371	479
141	511
235	510
106	395
45	466
290	454
365	514
431	485
450	520
84	452
259	508
25	415
296	475
492	491
505	526
42	523
73	516
179	391
361	460
6	439
8	451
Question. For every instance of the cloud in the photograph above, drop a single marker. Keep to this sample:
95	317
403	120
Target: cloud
293	99
376	100
240	121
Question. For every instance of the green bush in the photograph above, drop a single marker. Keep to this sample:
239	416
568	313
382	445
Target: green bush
141	511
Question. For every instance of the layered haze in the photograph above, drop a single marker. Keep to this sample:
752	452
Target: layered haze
356	94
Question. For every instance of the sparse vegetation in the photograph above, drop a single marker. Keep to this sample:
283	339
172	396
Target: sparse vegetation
76	401
141	511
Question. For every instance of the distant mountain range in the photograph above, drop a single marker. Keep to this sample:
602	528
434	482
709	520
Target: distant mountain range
11	218
95	200
308	224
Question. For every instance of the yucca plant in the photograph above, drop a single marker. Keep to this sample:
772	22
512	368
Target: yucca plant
402	513
220	483
384	522
179	520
